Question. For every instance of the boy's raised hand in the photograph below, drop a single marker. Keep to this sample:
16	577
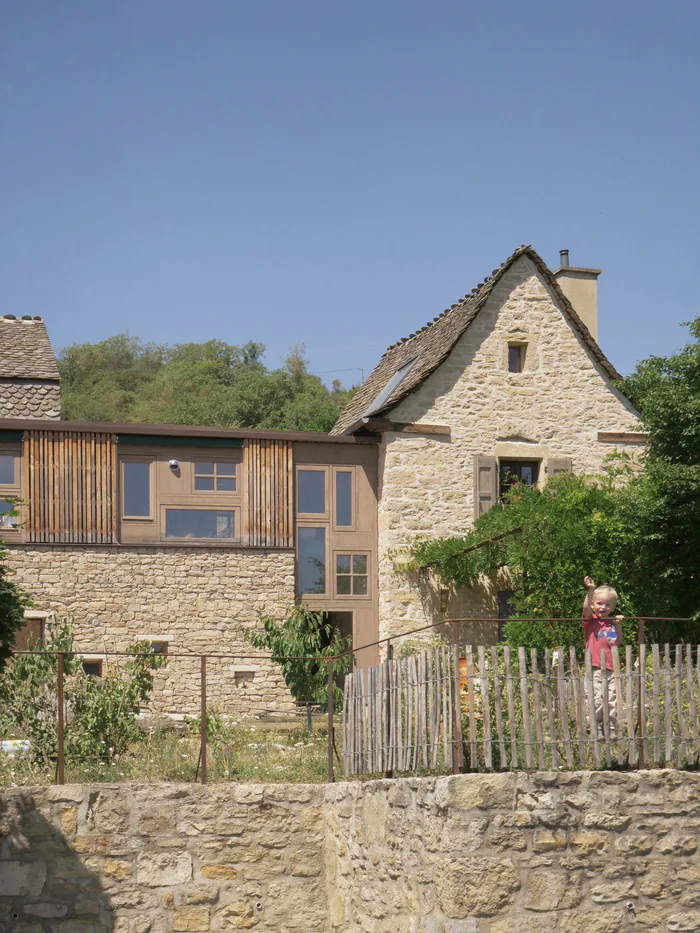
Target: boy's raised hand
587	582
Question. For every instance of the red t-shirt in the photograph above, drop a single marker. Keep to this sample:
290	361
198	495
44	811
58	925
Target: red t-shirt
600	633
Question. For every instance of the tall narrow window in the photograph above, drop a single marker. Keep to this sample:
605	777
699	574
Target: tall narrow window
311	492
343	499
516	357
7	470
311	555
136	491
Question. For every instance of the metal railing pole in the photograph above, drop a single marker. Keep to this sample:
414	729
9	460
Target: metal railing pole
389	737
61	777
331	777
203	715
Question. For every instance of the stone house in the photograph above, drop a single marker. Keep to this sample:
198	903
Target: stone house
183	535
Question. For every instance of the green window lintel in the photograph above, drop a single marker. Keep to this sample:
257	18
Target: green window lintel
161	440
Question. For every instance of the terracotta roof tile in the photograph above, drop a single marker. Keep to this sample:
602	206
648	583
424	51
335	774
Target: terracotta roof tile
433	343
25	349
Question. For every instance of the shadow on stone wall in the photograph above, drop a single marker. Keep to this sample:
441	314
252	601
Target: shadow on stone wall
44	886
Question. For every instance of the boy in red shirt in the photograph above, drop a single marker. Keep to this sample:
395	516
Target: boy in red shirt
601	630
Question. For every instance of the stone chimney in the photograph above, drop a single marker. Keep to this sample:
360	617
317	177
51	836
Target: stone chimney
580	285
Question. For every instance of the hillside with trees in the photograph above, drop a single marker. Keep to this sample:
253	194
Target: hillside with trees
123	379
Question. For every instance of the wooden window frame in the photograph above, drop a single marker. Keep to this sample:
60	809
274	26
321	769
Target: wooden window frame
151	461
339	468
216	492
313	516
214	542
352	552
326	594
12	490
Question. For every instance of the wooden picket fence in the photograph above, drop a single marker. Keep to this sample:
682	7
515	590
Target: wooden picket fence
454	709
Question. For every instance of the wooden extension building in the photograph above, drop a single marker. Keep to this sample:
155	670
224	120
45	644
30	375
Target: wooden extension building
184	535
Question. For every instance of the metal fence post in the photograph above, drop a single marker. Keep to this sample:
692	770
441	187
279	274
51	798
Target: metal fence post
389	737
331	777
203	715
61	777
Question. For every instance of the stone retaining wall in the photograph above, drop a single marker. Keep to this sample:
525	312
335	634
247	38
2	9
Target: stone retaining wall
200	598
513	853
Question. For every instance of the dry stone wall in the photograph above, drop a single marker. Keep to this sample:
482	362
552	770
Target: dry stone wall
20	398
160	858
201	598
554	408
516	853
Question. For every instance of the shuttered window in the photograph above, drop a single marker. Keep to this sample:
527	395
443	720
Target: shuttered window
485	484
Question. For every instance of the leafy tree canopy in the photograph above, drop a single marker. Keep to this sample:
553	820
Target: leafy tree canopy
123	379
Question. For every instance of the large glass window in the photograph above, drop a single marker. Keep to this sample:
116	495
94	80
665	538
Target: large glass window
343	498
7	470
311	556
351	574
517	471
136	489
311	492
200	523
214	476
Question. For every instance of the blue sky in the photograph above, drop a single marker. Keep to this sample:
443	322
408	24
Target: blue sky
338	174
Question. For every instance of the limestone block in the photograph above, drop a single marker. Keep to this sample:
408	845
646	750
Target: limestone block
69	820
524	924
478	886
119	869
191	920
615	822
593	921
683	923
161	869
47	911
476	791
238	915
296	908
220	872
20	879
552	890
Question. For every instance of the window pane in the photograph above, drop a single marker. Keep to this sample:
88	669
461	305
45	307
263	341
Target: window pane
92	668
526	474
7	469
199	523
204	482
226	483
359	586
515	359
343	586
137	489
7	520
311	555
359	563
204	468
342	563
343	498
226	469
311	492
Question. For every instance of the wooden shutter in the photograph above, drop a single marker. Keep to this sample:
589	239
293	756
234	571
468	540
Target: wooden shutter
558	465
70	484
485	484
268	520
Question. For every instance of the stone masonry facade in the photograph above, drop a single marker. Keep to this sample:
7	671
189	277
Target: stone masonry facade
199	600
22	398
554	408
502	853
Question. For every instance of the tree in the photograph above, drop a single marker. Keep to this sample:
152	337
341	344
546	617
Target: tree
211	383
296	643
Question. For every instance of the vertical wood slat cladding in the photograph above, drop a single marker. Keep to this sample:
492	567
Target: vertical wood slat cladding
267	520
70	485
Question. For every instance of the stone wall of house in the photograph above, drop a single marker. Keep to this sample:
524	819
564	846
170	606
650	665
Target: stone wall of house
554	408
20	398
516	853
201	598
159	858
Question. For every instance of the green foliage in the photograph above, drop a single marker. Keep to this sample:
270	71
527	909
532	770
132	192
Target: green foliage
100	712
12	605
211	383
305	634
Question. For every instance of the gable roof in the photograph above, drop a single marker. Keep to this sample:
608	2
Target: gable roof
432	344
25	349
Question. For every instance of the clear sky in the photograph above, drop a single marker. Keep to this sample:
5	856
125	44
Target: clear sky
338	174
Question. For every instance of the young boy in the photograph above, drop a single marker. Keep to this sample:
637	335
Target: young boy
601	630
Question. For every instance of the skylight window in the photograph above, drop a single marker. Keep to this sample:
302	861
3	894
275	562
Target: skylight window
392	384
